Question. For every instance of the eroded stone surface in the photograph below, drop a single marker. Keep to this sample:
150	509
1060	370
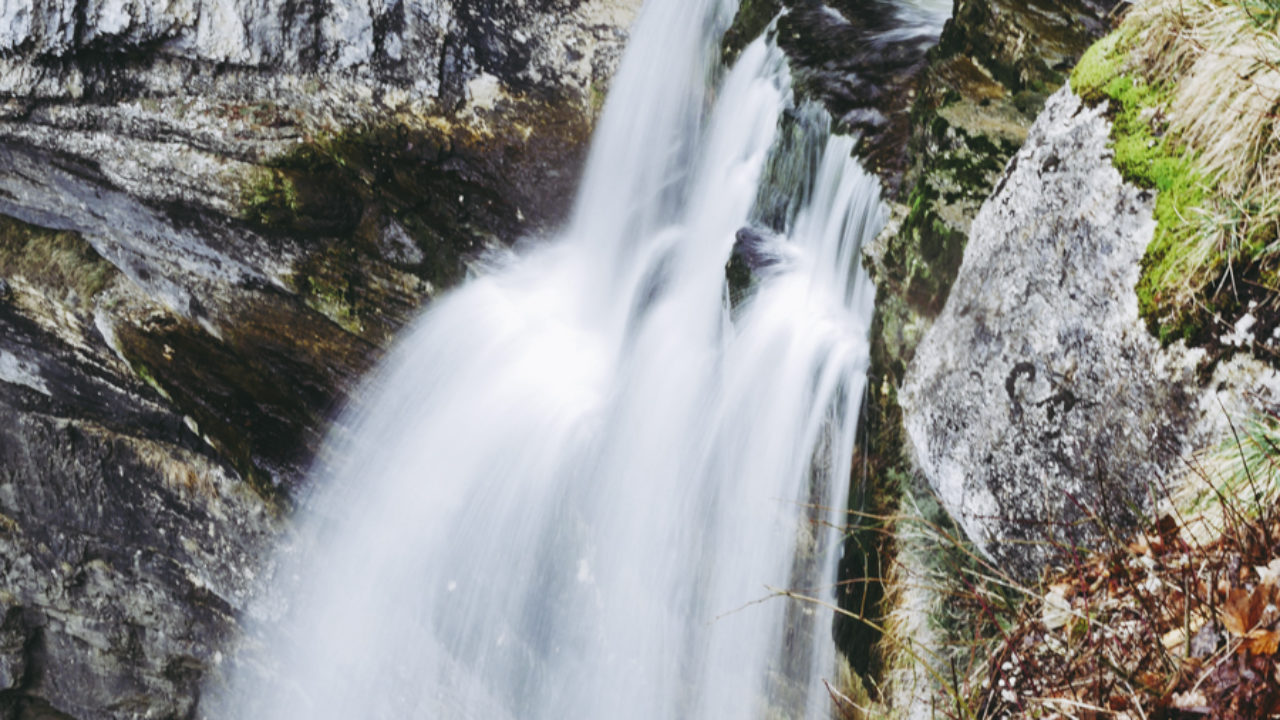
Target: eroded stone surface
1038	404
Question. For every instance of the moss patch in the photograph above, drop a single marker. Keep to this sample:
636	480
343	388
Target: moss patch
439	185
1099	65
56	260
1214	253
271	198
1149	156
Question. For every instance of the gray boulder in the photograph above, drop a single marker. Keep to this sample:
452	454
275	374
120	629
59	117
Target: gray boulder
1038	406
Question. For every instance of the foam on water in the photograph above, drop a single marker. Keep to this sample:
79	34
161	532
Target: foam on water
562	492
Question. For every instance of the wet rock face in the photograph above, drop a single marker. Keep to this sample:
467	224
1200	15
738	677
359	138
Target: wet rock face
859	58
128	547
214	215
1038	407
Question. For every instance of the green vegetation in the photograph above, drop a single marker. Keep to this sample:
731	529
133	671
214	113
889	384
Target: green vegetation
1099	65
271	198
1193	89
1131	618
342	190
334	300
1265	14
59	261
447	188
1242	471
1147	155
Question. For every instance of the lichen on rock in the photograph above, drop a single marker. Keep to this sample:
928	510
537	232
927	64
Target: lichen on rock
1037	405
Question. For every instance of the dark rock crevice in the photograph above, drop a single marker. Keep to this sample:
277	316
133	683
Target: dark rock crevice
982	87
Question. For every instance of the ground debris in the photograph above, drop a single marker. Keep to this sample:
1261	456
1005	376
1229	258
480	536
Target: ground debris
1161	629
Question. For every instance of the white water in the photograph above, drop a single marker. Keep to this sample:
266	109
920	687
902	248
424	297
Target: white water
566	483
920	20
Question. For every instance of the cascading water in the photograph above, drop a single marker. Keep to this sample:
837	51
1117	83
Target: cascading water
564	490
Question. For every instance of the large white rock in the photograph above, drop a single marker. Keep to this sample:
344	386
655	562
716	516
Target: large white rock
1038	403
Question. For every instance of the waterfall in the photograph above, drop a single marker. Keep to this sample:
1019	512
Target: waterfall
564	492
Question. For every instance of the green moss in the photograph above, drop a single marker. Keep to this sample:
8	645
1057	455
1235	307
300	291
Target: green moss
271	198
145	374
334	300
1149	157
61	263
344	188
924	257
598	93
1099	65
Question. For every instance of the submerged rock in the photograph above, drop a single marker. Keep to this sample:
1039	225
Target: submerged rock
1038	406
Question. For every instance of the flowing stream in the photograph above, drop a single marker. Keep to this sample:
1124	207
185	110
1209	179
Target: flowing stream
567	488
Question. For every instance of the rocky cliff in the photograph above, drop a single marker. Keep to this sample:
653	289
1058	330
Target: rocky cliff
972	105
213	216
1093	347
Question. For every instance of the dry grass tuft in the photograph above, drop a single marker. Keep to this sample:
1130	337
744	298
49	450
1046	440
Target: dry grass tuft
1209	76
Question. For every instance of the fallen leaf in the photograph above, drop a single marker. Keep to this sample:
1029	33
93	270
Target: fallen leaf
1268	578
1269	574
1175	641
1243	610
1151	681
1263	642
1057	608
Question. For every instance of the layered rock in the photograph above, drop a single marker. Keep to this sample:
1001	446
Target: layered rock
213	217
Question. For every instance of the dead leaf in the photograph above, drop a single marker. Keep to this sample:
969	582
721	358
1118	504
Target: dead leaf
1175	641
1057	608
1151	681
1269	574
1263	642
1243	610
1140	546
